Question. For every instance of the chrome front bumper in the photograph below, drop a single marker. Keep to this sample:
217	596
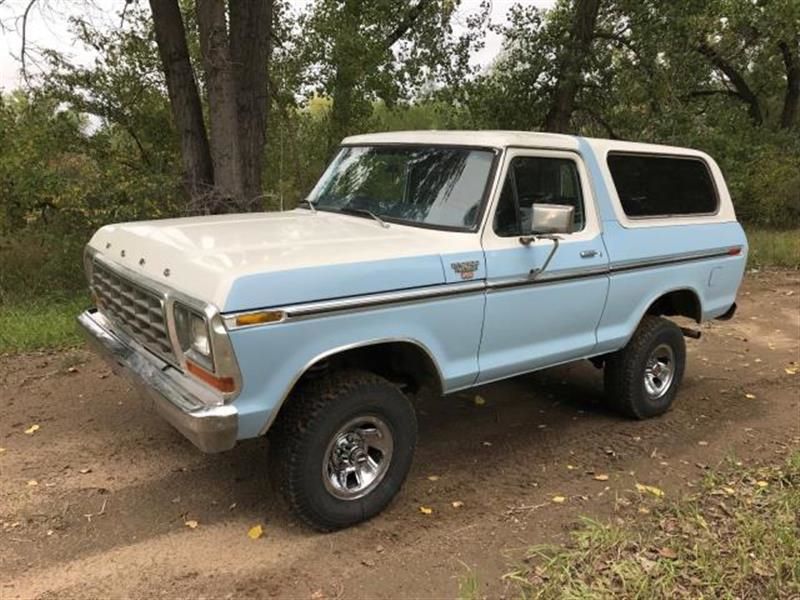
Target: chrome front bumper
186	404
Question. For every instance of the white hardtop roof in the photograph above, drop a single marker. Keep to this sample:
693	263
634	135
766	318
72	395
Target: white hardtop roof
504	139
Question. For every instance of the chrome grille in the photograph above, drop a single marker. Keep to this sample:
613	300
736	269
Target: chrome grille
136	310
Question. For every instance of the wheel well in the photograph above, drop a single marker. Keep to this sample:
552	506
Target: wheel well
683	303
405	363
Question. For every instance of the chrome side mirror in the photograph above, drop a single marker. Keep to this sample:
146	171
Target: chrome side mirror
548	220
552	218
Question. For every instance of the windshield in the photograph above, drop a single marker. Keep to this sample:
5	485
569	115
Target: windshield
432	185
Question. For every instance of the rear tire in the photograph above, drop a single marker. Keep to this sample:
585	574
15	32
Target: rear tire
343	446
642	379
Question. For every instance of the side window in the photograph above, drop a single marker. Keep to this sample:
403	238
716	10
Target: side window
662	186
536	179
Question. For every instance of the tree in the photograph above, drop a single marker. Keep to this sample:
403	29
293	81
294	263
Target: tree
222	161
223	169
187	110
358	51
572	59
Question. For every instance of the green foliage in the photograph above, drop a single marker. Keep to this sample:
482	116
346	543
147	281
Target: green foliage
46	322
359	51
93	144
773	248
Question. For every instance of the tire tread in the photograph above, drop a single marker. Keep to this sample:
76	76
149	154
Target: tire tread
306	407
622	378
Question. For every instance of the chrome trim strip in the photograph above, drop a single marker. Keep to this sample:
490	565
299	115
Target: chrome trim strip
309	309
345	348
545	278
371	300
628	265
323	307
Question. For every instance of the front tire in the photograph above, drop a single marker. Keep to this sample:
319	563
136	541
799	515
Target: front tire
344	444
642	379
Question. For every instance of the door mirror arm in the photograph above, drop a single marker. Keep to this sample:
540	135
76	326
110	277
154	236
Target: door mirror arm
547	220
534	273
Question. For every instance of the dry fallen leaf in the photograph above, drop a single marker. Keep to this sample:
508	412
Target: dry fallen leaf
644	510
255	532
191	524
457	504
32	429
667	553
559	499
650	489
762	484
791	370
32	482
433	478
425	510
479	400
729	490
600	477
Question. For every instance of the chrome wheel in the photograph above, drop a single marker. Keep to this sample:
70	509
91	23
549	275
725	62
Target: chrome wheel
357	458
659	371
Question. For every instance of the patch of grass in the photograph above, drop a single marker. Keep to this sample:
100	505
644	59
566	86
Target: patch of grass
469	586
769	248
739	537
40	323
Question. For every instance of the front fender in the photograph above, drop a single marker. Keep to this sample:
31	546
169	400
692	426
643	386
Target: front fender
272	358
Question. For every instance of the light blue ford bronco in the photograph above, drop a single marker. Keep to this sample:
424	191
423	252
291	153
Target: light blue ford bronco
438	259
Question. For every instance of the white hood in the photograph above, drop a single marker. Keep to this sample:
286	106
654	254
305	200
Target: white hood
206	255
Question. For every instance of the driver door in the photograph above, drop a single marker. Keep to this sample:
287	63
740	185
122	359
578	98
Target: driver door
537	321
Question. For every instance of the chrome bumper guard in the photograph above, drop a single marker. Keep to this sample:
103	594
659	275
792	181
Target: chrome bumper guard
184	403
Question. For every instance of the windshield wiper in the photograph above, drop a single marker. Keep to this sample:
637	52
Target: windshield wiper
365	212
309	203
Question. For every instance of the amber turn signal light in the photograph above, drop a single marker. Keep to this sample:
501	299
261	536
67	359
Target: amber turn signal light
259	318
223	384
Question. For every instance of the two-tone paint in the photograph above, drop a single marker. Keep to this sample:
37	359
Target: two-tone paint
474	302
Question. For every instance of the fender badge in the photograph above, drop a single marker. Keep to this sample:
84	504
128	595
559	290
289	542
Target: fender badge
466	268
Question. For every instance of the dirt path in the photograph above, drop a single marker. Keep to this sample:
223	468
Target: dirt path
95	501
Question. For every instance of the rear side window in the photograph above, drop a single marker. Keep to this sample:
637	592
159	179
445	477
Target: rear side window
662	186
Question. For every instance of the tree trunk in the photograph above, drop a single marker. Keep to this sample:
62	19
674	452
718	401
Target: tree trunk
346	56
184	100
342	116
791	60
221	90
562	104
251	35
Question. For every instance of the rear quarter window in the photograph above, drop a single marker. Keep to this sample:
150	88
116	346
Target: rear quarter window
662	186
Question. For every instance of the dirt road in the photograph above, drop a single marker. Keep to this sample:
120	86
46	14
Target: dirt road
99	500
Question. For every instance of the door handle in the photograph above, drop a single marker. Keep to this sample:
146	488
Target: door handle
588	253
